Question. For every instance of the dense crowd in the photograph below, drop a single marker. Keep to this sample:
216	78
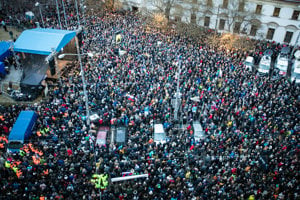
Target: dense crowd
251	123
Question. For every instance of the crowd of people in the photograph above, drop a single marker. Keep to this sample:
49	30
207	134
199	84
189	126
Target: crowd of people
251	123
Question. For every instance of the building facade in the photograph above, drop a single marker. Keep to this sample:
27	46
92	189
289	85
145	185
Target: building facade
275	20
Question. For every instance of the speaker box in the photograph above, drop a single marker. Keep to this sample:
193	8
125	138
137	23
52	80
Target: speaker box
52	67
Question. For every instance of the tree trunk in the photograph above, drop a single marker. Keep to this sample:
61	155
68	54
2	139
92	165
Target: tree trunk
167	12
169	5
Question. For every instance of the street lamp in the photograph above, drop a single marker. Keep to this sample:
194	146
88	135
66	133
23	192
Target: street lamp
37	4
82	77
61	56
77	13
58	14
62	1
177	89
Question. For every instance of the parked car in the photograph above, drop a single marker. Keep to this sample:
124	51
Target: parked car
295	72
249	63
121	135
282	61
102	135
265	63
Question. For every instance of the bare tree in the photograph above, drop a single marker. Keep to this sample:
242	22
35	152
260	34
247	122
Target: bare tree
164	6
239	17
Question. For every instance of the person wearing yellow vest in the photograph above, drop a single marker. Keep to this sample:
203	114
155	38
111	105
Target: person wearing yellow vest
7	164
22	153
19	173
45	172
100	181
42	131
96	180
15	169
104	179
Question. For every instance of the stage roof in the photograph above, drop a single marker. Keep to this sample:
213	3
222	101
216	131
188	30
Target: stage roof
42	41
4	49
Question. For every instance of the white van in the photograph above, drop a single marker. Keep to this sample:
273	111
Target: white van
265	62
198	131
249	63
295	73
159	134
282	61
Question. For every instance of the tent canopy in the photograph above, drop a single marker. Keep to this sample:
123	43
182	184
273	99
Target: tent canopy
2	68
42	41
4	50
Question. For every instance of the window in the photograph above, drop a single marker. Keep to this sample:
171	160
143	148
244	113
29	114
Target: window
193	18
206	21
221	24
295	14
270	33
276	12
177	19
237	27
288	37
253	30
258	9
209	3
241	6
225	3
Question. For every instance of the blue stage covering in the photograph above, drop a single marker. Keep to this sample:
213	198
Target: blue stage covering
2	69
41	41
4	50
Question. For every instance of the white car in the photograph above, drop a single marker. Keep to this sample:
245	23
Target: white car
249	62
265	62
264	65
295	73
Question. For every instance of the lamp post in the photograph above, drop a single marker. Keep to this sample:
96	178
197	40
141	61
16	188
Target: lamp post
58	14
63	4
177	89
83	7
37	4
82	77
77	13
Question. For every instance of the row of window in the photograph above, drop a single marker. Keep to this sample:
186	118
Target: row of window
276	12
258	10
287	38
253	30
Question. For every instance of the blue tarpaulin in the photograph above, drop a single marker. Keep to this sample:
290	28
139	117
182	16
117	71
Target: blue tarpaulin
2	68
4	50
42	41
